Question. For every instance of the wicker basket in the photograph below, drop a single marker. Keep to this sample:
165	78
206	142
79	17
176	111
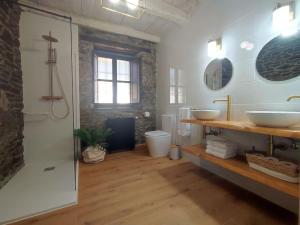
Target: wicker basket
271	163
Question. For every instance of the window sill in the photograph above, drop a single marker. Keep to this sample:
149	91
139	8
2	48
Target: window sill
109	107
177	104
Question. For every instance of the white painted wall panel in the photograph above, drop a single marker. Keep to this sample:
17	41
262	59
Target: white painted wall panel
235	21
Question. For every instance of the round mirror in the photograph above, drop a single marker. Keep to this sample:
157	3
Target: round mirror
279	59
218	73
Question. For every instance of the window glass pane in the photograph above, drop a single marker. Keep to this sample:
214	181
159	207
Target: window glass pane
180	78
123	96
123	70
172	95
104	68
172	76
135	80
103	92
181	95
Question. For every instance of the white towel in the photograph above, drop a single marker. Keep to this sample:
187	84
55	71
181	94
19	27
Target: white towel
184	129
169	125
220	155
215	138
221	150
226	145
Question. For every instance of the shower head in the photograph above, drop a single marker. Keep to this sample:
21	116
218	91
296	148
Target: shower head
49	38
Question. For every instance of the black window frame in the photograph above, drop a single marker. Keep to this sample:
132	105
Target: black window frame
114	56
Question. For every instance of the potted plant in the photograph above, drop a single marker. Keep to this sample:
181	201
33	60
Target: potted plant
95	138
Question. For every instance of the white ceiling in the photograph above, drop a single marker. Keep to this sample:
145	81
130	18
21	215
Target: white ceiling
186	5
148	23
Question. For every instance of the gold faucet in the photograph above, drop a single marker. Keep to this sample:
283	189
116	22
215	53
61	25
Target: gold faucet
229	102
293	97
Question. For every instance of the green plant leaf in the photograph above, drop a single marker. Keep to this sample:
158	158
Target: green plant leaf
93	136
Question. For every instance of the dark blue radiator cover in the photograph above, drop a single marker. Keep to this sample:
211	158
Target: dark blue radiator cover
123	137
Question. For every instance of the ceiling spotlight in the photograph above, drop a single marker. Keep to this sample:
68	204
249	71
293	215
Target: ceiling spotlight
132	4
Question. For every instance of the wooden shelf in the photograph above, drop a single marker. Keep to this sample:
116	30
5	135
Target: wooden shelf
247	127
241	167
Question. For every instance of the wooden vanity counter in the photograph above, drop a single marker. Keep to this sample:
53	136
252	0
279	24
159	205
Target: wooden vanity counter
247	127
238	166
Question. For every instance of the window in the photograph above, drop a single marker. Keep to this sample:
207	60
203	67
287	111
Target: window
116	79
177	90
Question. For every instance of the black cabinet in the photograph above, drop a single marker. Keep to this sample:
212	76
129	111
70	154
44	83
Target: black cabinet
123	137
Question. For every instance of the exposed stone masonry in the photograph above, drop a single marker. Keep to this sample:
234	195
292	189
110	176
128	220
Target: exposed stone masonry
92	116
11	117
279	60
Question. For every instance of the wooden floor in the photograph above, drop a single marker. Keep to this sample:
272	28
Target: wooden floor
130	188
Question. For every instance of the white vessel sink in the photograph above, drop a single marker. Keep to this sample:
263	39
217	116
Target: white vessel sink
279	119
205	114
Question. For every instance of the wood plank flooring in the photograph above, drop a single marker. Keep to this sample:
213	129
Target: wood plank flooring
131	188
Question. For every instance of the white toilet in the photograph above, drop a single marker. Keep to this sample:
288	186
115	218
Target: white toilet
158	141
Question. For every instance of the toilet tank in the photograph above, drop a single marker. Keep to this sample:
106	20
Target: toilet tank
168	122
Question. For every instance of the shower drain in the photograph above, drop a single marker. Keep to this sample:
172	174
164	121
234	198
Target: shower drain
47	169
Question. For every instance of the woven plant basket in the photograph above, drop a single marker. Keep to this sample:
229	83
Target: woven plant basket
94	155
271	163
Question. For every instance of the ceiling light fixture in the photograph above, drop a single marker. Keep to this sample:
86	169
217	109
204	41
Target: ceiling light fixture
130	8
284	19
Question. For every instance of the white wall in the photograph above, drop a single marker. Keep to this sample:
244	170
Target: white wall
235	21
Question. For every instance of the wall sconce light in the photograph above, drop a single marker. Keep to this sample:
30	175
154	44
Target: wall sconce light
284	19
214	48
130	8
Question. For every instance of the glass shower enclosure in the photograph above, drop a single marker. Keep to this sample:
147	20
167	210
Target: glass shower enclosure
49	66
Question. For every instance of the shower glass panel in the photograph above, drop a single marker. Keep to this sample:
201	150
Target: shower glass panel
48	179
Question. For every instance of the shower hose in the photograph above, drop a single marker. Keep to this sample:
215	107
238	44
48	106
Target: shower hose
53	114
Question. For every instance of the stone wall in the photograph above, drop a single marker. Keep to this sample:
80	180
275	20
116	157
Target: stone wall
11	97
279	58
90	114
